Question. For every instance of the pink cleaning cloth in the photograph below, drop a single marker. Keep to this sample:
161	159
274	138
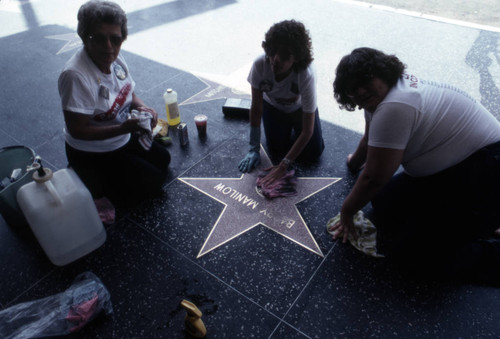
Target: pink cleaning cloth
283	187
106	210
81	314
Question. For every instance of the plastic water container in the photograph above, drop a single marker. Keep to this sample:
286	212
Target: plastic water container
62	214
172	108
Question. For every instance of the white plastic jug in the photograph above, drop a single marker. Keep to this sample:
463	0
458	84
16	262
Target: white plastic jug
62	214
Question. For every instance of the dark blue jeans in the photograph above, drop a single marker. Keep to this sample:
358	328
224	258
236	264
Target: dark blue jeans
439	223
282	129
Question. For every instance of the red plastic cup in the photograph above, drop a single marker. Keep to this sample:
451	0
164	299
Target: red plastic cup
201	124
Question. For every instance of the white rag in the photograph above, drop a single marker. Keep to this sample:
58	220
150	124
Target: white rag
366	241
145	135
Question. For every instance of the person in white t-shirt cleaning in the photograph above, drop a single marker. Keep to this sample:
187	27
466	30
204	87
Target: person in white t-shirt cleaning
97	96
441	212
284	98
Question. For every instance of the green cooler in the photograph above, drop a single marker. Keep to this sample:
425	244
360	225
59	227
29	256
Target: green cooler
11	158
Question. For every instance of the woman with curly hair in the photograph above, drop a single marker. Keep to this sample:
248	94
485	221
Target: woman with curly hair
440	214
284	97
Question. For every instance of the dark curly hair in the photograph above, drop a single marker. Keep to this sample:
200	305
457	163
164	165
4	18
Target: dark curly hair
94	12
287	38
359	67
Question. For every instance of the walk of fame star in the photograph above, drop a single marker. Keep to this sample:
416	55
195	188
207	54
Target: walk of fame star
246	208
214	91
73	41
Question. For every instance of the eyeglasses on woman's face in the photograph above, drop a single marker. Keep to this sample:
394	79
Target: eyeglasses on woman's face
102	39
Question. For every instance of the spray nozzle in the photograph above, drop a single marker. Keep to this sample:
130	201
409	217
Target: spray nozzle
42	174
40	169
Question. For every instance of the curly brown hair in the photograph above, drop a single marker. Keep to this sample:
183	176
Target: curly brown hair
359	67
289	37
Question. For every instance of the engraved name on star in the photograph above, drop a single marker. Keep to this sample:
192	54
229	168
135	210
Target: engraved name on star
245	208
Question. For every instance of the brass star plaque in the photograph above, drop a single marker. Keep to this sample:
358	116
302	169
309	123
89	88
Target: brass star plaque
246	208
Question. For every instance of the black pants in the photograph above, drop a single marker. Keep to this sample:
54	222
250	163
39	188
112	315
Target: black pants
443	223
126	175
283	129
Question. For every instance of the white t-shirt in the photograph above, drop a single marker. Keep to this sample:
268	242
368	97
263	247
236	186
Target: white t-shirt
84	89
288	95
436	124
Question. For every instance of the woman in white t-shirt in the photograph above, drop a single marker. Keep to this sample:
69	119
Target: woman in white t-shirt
444	203
97	95
284	98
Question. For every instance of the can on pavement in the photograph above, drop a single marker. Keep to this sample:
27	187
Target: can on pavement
182	130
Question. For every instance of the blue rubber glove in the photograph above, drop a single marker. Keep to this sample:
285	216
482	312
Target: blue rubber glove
252	159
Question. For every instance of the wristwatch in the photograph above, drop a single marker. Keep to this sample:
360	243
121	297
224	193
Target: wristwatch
287	162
